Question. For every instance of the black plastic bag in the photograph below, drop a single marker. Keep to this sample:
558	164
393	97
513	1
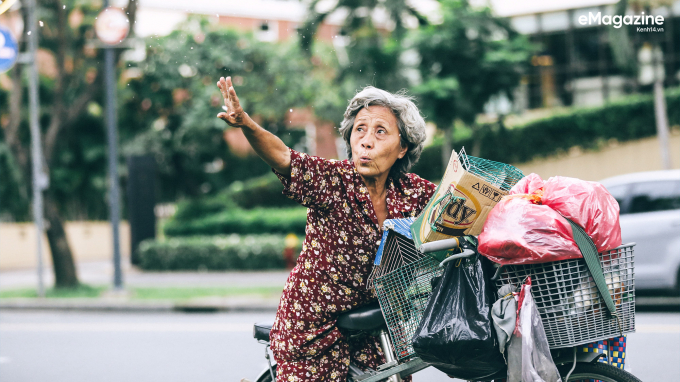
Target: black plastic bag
456	333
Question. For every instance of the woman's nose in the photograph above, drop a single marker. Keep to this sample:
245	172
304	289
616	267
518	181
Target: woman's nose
367	141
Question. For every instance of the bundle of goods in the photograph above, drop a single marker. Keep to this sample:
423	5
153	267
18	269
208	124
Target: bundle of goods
469	190
403	277
529	226
564	234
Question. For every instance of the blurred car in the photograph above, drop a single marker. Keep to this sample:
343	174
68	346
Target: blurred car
650	217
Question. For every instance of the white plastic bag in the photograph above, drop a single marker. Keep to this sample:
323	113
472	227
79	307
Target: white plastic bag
529	358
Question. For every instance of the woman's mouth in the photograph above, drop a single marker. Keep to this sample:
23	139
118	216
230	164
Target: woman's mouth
364	159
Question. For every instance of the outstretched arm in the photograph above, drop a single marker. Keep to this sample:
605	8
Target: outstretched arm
267	145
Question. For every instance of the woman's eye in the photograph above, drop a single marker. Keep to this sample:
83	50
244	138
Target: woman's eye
382	131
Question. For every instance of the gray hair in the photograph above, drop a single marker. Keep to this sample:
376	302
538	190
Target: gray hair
411	124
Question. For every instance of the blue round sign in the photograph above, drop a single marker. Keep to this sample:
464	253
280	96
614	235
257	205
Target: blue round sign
8	50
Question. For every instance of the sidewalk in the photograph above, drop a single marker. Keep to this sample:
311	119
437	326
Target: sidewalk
101	273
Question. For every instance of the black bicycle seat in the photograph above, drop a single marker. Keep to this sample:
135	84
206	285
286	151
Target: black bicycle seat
367	317
261	331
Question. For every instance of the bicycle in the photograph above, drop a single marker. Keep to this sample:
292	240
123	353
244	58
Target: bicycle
369	320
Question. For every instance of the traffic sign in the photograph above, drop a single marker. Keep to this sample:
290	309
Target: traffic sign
112	26
9	50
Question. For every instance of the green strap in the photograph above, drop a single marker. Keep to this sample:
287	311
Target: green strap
589	252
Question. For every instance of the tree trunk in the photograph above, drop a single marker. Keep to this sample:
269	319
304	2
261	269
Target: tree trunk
13	129
65	275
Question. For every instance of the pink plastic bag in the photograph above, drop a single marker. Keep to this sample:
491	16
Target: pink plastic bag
520	232
587	204
526	227
527	185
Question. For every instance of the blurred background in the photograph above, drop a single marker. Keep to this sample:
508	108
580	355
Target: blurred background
517	82
521	82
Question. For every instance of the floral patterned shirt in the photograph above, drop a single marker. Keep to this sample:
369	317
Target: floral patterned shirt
342	237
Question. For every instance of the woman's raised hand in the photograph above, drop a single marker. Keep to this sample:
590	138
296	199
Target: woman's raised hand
234	115
267	145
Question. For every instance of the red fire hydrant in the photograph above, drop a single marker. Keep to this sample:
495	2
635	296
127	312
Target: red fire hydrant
291	243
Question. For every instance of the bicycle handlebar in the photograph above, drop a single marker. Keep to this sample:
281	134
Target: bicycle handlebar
440	245
465	253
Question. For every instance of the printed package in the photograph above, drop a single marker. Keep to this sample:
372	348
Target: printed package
459	206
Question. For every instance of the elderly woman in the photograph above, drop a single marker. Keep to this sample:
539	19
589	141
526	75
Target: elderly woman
347	203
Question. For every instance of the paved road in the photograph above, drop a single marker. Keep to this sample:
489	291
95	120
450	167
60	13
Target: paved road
75	347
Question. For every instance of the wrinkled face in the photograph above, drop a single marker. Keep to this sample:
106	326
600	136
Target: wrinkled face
375	141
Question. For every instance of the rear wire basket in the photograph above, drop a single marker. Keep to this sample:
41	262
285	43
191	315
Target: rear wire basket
501	175
569	303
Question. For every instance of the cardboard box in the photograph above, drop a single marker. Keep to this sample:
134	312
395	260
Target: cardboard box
459	206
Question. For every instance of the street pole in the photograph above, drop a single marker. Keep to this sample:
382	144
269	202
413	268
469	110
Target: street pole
660	109
112	138
39	178
662	124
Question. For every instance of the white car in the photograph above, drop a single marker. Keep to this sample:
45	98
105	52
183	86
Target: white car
650	217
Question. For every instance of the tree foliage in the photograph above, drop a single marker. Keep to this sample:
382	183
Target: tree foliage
71	93
71	99
592	128
365	52
174	102
465	60
167	107
359	16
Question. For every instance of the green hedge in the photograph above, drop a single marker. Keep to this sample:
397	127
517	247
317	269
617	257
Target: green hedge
623	120
239	209
200	207
240	221
262	191
213	253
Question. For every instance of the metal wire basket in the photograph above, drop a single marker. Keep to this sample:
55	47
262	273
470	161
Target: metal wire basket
403	295
569	303
396	249
501	175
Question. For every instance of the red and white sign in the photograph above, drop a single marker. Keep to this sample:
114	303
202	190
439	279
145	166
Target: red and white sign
112	26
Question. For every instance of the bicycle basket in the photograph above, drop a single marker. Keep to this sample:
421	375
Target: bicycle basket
403	295
569	303
401	278
501	175
396	249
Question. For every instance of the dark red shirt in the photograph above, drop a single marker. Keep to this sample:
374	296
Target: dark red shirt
342	237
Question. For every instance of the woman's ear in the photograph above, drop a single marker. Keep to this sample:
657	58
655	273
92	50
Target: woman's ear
403	151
